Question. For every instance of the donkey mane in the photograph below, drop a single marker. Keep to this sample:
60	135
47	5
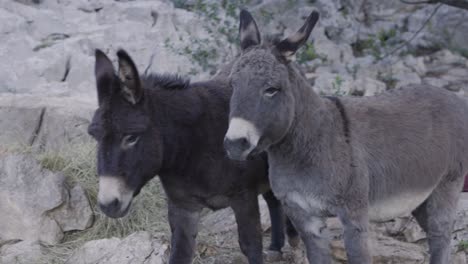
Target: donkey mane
165	81
271	40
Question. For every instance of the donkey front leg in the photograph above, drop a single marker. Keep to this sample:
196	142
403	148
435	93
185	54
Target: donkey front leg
249	228
356	237
312	232
293	236
277	221
184	229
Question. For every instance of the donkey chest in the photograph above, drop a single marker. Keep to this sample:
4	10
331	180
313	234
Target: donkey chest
195	193
298	194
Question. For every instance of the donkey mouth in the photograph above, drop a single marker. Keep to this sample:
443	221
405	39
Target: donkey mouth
242	155
115	213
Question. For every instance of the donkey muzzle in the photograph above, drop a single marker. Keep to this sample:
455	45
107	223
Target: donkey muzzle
114	209
114	196
238	149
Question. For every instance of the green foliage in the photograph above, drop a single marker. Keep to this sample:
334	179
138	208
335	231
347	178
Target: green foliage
199	52
384	36
388	79
308	53
337	86
220	22
266	15
463	52
463	245
375	44
180	3
292	3
344	11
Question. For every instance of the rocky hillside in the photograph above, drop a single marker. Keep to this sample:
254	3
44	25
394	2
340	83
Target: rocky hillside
47	95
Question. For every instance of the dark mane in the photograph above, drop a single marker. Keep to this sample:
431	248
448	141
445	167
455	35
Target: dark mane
271	40
165	81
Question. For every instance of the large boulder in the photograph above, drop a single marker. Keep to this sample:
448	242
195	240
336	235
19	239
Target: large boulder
35	203
60	56
25	252
47	123
446	28
138	248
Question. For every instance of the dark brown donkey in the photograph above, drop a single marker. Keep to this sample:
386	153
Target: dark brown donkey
163	125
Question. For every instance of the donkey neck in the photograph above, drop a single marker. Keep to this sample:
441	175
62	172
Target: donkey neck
313	125
190	120
310	109
175	114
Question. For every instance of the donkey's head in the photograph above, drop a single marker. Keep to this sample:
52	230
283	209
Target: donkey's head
263	102
129	151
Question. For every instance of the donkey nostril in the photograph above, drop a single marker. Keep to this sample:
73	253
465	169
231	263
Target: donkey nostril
115	203
244	142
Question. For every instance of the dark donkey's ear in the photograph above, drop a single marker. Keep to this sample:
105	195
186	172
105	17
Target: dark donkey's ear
248	30
288	47
128	74
105	75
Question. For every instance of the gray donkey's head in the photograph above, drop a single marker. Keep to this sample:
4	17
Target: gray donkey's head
263	102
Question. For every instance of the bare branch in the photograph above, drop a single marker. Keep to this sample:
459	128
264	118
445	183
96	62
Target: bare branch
415	34
463	4
417	2
456	3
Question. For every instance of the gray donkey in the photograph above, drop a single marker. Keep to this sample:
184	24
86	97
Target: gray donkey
360	159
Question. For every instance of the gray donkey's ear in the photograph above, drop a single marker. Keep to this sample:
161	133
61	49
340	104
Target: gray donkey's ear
248	30
288	47
105	75
129	77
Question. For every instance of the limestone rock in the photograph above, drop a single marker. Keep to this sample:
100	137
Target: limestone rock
19	126
48	123
367	87
25	252
460	258
29	199
76	212
138	248
27	193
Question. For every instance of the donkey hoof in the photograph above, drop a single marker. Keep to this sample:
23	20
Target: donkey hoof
294	241
272	255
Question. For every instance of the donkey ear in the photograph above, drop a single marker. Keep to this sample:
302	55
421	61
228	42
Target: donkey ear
105	75
248	30
288	47
128	74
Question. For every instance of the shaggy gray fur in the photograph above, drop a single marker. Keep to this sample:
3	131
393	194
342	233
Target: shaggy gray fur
361	159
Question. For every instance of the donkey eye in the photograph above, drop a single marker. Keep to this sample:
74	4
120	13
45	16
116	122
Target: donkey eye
129	140
271	91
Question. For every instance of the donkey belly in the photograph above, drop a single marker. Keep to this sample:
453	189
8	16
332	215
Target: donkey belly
396	205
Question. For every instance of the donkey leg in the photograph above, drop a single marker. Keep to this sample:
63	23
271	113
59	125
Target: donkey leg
312	232
293	236
420	215
249	228
356	236
277	221
184	229
436	216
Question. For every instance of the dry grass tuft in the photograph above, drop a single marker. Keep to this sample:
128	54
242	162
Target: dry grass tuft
78	164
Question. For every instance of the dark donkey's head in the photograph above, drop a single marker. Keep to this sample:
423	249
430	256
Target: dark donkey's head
263	103
129	151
